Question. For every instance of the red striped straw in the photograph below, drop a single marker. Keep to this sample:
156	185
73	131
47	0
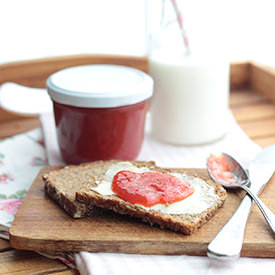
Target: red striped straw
180	21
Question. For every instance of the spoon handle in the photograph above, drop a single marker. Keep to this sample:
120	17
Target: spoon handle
269	216
227	244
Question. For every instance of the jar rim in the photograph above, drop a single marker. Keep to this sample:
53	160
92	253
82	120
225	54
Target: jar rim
99	85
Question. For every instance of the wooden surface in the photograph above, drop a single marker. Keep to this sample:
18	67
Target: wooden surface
262	80
255	115
42	225
247	94
34	73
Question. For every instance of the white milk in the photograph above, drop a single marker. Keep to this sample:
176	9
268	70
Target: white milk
190	101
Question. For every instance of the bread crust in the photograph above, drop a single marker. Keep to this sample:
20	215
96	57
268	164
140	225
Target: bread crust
74	208
62	184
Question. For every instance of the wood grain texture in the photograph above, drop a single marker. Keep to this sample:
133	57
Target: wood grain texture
262	80
27	262
259	128
33	73
7	116
66	272
17	126
239	75
41	224
255	112
246	97
255	115
4	245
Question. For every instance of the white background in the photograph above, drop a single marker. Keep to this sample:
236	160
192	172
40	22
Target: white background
242	29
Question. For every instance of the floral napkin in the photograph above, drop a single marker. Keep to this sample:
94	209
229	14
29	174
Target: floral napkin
21	158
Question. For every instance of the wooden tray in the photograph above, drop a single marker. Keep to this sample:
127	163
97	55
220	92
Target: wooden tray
252	100
41	224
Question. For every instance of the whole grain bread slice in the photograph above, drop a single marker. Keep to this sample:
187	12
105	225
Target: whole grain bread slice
62	184
185	223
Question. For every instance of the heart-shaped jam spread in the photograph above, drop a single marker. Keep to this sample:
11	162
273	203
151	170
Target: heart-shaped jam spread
150	188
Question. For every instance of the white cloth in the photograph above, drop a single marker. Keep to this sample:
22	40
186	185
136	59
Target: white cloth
235	143
120	264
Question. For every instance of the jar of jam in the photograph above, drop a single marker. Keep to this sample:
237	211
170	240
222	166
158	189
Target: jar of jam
99	111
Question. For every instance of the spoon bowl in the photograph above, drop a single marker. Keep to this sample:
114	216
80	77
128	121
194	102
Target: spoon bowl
225	170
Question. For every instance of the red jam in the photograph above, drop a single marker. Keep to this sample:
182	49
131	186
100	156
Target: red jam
88	134
150	188
220	168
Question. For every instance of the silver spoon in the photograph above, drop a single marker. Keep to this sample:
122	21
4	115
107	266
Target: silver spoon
226	171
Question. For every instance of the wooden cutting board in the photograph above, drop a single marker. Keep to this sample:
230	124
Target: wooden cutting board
42	225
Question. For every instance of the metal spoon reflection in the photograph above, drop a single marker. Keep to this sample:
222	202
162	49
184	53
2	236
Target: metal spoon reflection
226	171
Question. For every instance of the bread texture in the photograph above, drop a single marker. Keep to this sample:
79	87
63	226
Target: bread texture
62	184
186	223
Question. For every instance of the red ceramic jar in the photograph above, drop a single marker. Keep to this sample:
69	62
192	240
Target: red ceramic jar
99	111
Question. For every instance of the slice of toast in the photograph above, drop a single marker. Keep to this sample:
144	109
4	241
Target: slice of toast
186	216
63	183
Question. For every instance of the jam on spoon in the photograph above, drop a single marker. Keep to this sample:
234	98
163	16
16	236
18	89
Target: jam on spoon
226	171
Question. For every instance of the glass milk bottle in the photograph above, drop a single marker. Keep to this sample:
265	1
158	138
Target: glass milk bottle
190	102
